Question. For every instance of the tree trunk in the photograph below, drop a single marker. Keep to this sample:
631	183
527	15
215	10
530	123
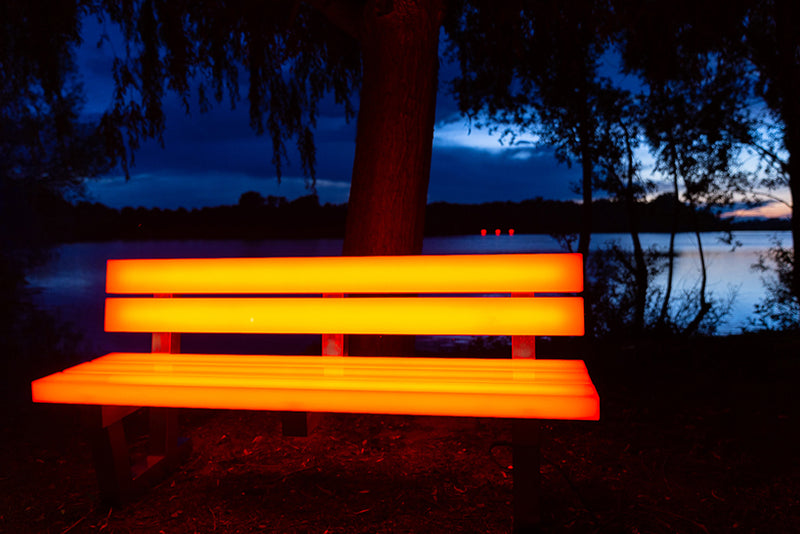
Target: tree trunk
791	141
586	133
388	193
663	316
705	306
640	266
587	167
794	187
786	27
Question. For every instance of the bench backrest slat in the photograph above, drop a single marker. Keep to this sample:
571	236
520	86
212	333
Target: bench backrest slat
541	273
398	315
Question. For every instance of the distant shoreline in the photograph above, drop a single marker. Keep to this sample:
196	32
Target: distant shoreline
293	237
256	217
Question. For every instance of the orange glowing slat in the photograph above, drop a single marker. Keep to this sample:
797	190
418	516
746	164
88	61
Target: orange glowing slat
557	316
454	369
500	273
545	389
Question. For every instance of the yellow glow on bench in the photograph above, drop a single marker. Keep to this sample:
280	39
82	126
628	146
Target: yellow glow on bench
512	388
474	273
557	316
525	388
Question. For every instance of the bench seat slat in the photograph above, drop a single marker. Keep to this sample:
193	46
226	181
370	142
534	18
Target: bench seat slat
545	389
220	364
468	273
289	367
545	316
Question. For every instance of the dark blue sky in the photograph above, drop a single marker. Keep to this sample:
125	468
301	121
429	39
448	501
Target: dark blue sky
212	158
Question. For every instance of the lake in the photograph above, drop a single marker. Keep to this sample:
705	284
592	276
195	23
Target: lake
71	284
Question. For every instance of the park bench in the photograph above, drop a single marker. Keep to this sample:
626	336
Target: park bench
456	295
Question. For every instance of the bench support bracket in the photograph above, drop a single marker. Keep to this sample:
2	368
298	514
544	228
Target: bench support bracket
301	424
119	477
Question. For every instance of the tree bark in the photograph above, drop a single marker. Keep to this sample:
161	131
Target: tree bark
391	170
793	146
664	315
640	266
587	172
791	141
674	167
705	306
787	23
586	134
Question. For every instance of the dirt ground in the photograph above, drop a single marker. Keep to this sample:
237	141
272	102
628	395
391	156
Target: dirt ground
695	436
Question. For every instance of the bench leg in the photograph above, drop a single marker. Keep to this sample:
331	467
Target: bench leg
163	431
527	477
112	463
165	448
301	424
118	478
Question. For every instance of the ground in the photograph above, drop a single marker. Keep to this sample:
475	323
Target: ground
695	436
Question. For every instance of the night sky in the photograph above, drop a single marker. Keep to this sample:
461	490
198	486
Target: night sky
210	159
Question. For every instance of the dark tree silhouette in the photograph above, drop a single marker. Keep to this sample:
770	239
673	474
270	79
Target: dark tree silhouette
45	150
773	46
45	154
693	127
251	200
666	40
543	75
619	176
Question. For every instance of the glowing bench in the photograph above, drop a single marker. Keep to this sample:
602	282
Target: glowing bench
434	295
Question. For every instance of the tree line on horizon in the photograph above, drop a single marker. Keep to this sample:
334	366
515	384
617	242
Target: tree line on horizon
258	217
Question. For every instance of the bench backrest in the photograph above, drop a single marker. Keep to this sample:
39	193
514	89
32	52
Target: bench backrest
260	295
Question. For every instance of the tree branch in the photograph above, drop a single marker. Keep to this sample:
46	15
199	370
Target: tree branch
772	158
773	197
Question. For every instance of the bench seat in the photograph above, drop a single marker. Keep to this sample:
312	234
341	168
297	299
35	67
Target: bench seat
510	388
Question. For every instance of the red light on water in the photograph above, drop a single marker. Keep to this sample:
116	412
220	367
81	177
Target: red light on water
510	231
497	232
483	231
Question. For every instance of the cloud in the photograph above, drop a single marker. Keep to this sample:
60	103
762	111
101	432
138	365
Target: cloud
522	155
770	210
457	132
468	175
